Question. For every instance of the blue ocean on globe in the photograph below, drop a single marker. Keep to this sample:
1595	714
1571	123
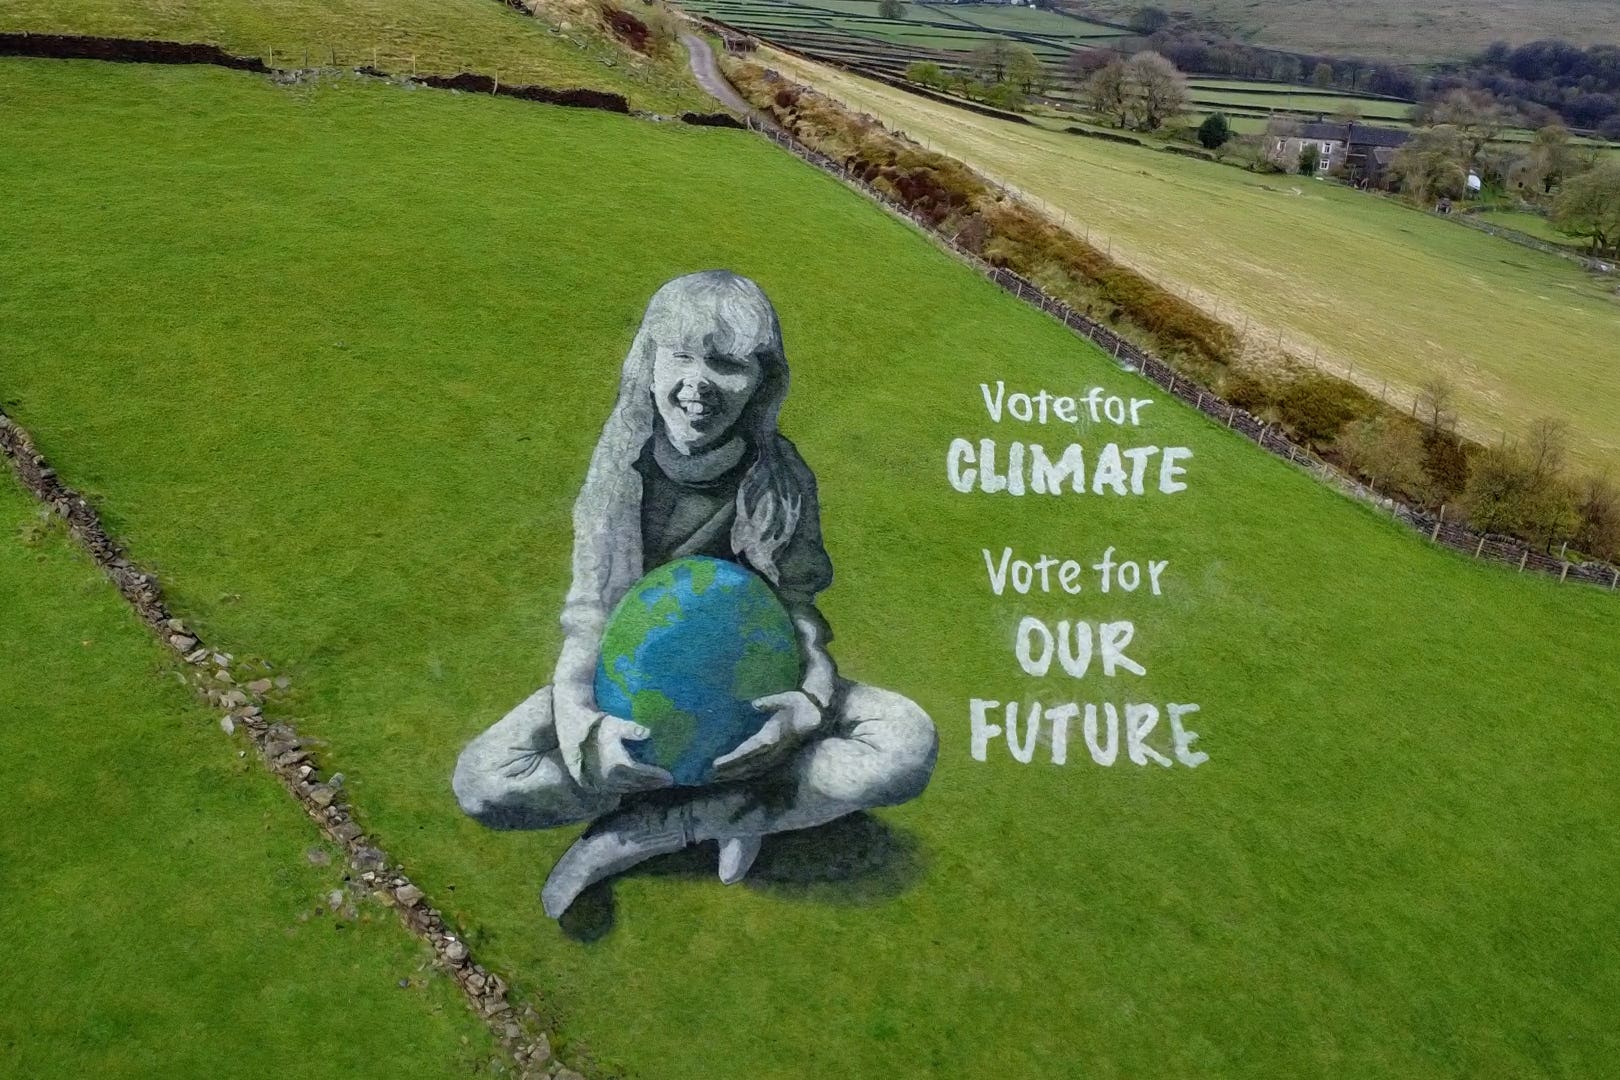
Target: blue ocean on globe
686	652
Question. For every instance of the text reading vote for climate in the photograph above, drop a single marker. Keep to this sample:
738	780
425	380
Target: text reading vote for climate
1079	622
1097	466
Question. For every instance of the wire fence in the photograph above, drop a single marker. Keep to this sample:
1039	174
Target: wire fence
1483	546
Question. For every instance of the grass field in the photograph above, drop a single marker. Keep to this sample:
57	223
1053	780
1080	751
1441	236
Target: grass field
1530	224
444	36
341	396
1350	278
161	916
1393	29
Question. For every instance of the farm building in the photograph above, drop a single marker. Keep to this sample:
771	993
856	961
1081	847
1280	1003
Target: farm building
1358	152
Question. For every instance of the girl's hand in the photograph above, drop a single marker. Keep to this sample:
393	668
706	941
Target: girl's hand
595	753
794	718
609	766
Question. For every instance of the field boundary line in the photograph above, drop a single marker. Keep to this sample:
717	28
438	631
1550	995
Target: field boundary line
286	756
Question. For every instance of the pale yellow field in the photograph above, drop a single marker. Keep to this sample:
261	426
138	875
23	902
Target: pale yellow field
1356	282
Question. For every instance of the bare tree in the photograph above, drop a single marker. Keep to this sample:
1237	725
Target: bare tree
1431	164
1084	62
1474	114
1435	397
1156	91
1545	449
1599	510
1588	206
1106	92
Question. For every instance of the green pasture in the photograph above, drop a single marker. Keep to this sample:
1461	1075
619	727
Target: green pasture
942	27
1359	281
162	915
1533	225
1028	20
445	36
1368	108
333	360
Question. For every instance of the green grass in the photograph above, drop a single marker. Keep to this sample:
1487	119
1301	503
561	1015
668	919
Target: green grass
341	396
161	915
1530	224
1369	108
1349	277
441	35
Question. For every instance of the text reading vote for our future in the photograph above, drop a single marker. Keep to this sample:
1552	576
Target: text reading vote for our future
1086	632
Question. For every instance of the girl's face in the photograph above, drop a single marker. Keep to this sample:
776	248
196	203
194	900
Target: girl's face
701	393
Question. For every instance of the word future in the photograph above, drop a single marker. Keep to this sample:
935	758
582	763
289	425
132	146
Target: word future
1102	739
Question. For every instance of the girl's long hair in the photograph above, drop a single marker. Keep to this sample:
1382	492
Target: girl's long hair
731	316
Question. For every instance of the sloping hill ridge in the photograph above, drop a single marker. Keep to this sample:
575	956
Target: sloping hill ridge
563	44
345	415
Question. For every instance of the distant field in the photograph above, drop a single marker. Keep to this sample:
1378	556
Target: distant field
162	917
428	35
1371	109
1396	29
1352	278
851	32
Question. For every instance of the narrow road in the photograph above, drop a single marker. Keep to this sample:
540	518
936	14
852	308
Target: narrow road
707	73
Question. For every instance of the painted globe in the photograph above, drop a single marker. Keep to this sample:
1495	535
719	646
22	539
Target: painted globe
686	652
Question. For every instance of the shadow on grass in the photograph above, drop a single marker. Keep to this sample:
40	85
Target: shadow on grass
858	859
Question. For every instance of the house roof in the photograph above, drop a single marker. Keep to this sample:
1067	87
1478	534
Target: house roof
1355	134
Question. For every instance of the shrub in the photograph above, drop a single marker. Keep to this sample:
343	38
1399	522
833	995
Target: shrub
1445	466
1214	132
1386	451
925	73
1249	390
1316	407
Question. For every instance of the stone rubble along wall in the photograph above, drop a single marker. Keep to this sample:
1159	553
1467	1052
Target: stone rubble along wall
289	757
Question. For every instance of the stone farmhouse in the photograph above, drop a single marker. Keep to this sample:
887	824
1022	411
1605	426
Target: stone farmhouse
1360	153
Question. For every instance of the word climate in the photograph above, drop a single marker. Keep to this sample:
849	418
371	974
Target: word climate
1019	467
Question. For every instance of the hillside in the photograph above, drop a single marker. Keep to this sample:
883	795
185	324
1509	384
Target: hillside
344	415
1387	29
1366	286
563	45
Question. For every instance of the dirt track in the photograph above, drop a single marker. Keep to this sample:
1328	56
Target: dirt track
707	73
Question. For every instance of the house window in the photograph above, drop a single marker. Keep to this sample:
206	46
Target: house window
1325	158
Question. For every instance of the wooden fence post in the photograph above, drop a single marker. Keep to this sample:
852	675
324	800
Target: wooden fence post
1435	535
1563	574
1480	547
1524	559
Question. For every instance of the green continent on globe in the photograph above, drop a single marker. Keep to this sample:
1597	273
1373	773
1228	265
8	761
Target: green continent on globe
685	654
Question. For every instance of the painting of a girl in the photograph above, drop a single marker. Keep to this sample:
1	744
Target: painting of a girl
690	462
